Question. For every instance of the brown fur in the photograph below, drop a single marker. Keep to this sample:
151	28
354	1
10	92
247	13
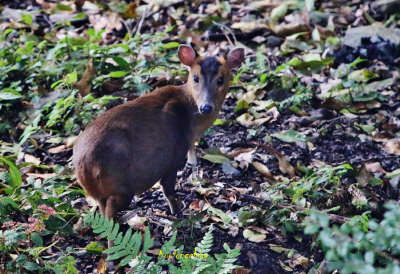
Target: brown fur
129	148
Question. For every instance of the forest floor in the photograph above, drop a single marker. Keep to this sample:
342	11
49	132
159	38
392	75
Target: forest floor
311	121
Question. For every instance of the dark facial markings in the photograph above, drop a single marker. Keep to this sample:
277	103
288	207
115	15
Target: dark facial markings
209	68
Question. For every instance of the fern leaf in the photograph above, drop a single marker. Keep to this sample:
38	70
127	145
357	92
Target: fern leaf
126	260
148	242
118	239
137	242
119	254
127	237
114	233
206	243
114	249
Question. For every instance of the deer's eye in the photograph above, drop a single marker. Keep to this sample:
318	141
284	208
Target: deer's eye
220	81
196	79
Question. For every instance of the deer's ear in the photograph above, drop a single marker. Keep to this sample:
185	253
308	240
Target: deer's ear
187	55
235	57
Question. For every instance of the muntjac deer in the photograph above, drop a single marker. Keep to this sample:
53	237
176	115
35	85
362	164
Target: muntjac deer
129	148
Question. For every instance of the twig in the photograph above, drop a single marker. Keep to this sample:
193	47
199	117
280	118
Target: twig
226	35
139	26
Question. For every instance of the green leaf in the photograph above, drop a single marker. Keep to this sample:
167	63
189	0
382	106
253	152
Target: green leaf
35	237
278	12
27	18
311	229
95	248
362	75
393	174
216	159
309	5
170	45
9	94
15	174
31	266
62	7
224	217
291	136
356	62
117	74
242	104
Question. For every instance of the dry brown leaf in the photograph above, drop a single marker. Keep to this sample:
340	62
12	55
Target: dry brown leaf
274	112
325	33
248	26
363	177
290	29
382	137
233	230
85	84
299	260
58	149
241	271
393	147
199	205
102	266
80	228
137	223
245	119
285	267
241	190
70	142
234	153
279	249
154	252
259	229
317	163
374	167
260	121
261	168
31	159
284	165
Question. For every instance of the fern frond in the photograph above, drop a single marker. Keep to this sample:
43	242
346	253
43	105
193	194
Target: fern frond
206	243
125	245
230	257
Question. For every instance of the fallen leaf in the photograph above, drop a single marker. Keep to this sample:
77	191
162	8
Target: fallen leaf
285	267
137	223
58	149
393	147
253	237
279	249
299	260
233	230
374	167
261	168
31	159
245	119
85	83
